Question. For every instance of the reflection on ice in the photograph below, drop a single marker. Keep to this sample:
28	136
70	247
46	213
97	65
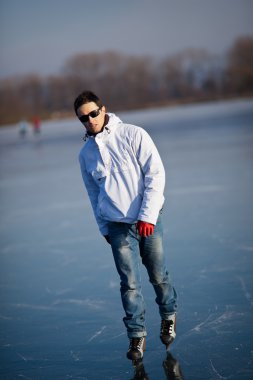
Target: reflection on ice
170	365
172	368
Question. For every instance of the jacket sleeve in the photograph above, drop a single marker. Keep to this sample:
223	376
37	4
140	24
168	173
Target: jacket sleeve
154	176
93	192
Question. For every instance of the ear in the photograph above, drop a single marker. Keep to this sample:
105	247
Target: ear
103	109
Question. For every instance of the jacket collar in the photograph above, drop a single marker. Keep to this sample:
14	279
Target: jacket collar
109	127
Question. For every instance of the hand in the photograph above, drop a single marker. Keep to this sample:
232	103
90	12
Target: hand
145	229
107	238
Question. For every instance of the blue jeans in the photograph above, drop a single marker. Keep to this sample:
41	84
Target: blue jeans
128	248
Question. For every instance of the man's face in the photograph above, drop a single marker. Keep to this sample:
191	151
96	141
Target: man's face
93	124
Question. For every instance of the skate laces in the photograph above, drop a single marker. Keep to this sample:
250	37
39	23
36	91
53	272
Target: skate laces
167	327
136	343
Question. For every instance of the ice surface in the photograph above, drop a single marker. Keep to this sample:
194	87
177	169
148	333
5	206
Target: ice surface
60	310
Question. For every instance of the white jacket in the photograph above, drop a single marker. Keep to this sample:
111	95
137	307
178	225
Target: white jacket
123	174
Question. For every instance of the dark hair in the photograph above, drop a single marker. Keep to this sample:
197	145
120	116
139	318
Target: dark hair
86	97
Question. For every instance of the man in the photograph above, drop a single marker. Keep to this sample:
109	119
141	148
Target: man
124	177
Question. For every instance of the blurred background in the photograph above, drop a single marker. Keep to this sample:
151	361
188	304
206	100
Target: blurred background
183	70
151	53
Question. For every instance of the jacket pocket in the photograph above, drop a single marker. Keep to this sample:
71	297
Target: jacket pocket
120	161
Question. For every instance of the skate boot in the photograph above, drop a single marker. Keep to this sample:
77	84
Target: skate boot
168	330
136	348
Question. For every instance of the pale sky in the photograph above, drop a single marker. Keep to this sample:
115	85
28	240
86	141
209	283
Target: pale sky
38	36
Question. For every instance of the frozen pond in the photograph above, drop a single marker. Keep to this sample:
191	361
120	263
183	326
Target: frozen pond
60	308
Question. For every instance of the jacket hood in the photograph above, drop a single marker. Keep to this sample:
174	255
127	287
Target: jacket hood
113	121
111	125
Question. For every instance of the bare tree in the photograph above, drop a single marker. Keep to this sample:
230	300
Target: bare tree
239	77
128	82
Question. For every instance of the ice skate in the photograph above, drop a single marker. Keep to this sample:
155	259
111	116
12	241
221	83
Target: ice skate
168	330
136	349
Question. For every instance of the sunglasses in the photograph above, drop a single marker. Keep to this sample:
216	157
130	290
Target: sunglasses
93	114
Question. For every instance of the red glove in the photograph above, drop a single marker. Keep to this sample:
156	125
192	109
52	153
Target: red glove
145	229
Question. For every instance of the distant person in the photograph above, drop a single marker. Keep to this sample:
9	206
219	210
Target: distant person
36	125
124	177
23	128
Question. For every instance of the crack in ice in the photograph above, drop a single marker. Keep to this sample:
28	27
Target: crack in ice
97	334
218	374
245	290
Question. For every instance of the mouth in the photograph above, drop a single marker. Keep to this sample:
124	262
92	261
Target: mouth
91	125
93	128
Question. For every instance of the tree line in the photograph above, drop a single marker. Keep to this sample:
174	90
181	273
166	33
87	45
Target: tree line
130	82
